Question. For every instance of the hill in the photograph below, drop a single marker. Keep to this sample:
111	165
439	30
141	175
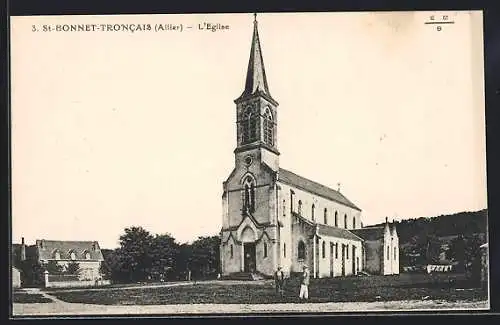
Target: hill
444	227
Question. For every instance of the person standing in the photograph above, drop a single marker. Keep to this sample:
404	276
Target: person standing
304	284
279	280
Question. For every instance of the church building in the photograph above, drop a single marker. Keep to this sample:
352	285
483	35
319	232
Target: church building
273	217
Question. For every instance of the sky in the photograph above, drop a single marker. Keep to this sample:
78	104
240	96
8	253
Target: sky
113	129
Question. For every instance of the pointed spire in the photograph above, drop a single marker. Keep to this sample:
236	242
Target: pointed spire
256	81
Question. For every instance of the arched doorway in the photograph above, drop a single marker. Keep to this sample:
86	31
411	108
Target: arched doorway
249	252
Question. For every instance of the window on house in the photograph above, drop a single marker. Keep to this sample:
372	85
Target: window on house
300	208
249	194
345	221
388	253
323	249
336	250
231	251
268	127
57	255
73	255
336	219
284	208
395	253
325	216
354	223
265	249
301	251
347	251
284	249
312	212
87	255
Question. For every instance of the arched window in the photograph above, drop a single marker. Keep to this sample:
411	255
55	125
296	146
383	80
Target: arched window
301	251
323	253
87	255
325	216
312	212
249	126
231	251
336	250
284	249
268	127
345	221
249	194
57	255
395	253
73	256
284	208
336	219
353	222
300	208
388	252
347	251
265	250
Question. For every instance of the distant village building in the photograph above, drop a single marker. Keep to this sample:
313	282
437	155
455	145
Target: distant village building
272	216
16	278
87	254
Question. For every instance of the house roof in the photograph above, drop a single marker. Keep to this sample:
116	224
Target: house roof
47	248
370	233
337	232
303	183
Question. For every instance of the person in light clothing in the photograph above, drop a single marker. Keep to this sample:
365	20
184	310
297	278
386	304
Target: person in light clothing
304	284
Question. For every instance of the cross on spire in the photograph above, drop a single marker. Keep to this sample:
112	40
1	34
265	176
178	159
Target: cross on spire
338	187
255	17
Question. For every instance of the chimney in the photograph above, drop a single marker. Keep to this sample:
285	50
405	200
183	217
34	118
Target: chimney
23	250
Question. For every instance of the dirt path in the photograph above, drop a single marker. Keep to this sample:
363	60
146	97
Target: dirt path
58	307
158	285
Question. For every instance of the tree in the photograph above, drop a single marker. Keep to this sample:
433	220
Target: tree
134	254
53	267
73	268
204	259
163	251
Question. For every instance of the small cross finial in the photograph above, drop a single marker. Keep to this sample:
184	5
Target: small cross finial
338	187
255	17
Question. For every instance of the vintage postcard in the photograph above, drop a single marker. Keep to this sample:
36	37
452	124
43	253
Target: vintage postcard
248	163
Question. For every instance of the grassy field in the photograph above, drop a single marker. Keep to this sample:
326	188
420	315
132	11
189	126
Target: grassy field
29	298
361	289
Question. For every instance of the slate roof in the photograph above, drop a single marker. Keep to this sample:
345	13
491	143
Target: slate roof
303	183
337	232
370	233
47	248
328	230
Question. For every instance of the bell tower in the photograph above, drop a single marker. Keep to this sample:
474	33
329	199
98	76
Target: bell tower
256	112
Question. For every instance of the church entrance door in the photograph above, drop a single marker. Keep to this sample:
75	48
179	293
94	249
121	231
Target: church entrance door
249	257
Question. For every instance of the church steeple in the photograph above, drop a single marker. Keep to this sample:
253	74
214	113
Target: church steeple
256	81
257	113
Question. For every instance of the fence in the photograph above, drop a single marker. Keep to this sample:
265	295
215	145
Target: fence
62	277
